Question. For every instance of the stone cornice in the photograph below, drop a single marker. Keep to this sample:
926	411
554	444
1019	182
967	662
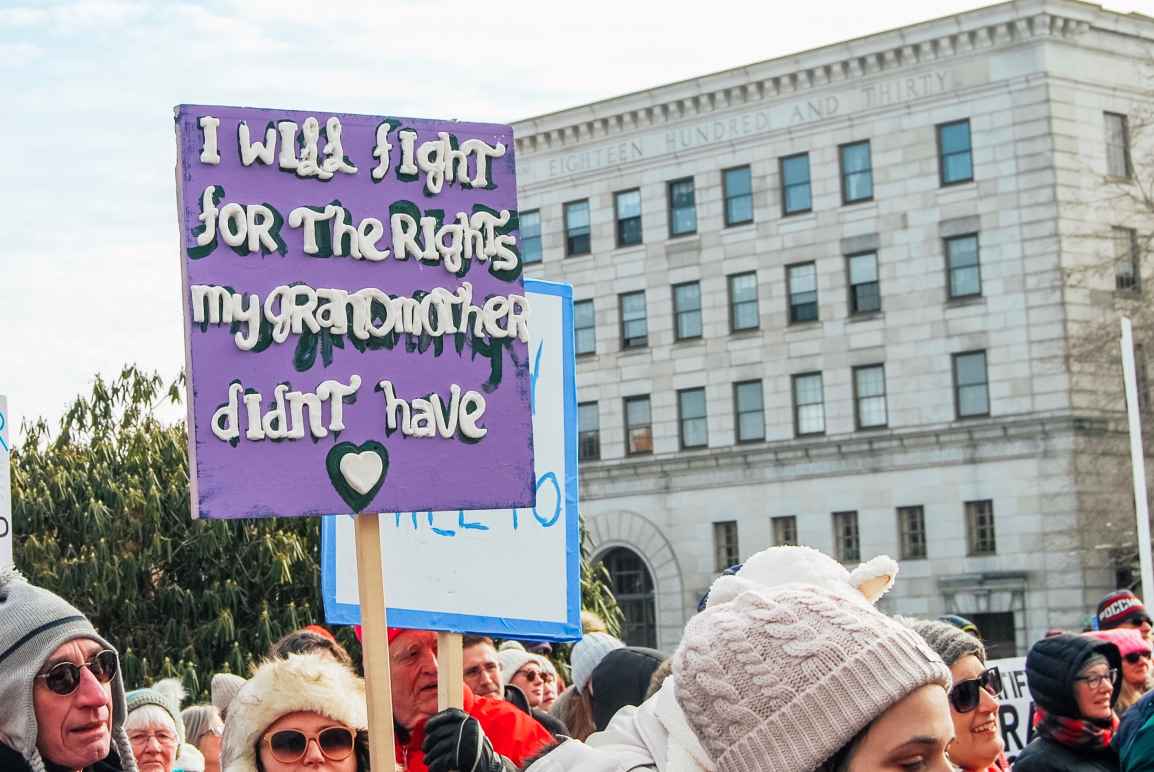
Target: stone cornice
934	41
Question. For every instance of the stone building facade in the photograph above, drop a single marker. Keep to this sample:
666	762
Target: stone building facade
825	299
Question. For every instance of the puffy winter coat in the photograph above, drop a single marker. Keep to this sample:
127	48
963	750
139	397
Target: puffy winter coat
1135	739
513	733
1051	667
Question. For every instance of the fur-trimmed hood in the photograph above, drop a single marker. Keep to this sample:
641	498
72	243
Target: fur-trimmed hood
300	683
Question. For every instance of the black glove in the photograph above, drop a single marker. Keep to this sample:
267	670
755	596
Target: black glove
455	742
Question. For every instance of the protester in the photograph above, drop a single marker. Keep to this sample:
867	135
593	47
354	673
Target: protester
313	639
224	688
1135	651
302	711
1135	738
496	731
622	679
1074	680
60	686
1122	608
154	728
203	728
523	670
552	681
481	667
791	676
978	744
574	706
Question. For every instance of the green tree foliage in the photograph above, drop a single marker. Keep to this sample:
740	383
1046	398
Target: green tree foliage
101	516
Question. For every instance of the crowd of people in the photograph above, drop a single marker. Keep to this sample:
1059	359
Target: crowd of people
789	666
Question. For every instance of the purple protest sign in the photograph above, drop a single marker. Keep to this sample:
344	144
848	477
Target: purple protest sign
355	322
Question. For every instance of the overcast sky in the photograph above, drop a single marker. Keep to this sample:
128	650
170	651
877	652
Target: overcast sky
88	239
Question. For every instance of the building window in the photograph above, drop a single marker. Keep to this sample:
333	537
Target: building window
634	327
628	207
687	310
795	186
857	176
785	531
749	407
808	404
1117	146
743	313
691	417
638	426
802	282
865	294
955	155
530	223
1126	274
971	385
738	190
682	207
846	544
725	549
577	228
965	275
632	588
980	527
584	327
588	432
998	633
912	530
869	386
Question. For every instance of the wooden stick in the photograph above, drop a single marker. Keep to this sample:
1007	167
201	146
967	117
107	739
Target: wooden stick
450	671
375	641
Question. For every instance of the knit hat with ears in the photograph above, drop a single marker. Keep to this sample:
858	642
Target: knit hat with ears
301	683
782	675
33	624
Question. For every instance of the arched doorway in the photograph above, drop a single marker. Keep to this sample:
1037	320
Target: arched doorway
632	586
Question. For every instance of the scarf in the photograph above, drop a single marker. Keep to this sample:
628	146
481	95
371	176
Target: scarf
1078	733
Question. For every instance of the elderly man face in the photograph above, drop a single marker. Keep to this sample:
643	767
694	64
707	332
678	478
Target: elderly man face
483	671
74	728
413	672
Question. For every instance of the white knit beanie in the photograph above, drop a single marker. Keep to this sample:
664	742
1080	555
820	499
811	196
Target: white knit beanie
34	623
224	688
513	660
781	678
587	655
302	682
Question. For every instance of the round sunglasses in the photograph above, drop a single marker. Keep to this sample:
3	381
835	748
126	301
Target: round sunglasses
532	675
966	695
63	678
289	746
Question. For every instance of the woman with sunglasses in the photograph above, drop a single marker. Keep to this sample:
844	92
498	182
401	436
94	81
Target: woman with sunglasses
978	745
1135	651
1075	681
304	713
60	687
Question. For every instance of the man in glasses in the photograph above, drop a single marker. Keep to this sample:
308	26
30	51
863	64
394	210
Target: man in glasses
1122	608
60	686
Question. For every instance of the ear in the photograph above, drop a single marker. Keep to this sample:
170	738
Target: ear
875	577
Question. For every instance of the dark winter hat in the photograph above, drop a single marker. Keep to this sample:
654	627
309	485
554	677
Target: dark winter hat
622	679
36	623
1119	607
1053	663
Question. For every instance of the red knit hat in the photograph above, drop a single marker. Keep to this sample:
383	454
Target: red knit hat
393	632
1118	608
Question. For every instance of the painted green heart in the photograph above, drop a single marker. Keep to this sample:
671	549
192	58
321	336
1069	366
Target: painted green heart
357	471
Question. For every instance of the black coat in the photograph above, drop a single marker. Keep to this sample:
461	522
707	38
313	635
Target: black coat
1051	667
12	761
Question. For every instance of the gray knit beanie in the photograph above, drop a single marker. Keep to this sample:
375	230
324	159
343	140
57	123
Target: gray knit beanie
949	642
152	696
200	720
36	622
587	655
781	678
224	688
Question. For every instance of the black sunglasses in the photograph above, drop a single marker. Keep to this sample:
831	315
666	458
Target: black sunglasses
289	746
63	678
966	695
1135	657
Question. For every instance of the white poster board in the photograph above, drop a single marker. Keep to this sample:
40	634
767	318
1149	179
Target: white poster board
1016	714
5	486
513	573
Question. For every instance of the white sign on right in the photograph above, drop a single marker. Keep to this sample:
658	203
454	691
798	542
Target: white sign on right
5	487
1016	715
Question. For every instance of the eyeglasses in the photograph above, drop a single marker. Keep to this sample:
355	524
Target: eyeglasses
163	739
63	678
1096	681
966	695
289	746
1135	657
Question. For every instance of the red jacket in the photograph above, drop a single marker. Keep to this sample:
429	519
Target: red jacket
513	733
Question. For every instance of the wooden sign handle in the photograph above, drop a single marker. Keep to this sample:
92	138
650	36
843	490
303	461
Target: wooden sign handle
375	641
450	671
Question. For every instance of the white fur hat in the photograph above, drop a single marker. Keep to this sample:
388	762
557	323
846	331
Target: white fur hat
300	683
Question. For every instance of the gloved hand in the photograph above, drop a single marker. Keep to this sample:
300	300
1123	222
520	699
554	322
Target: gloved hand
455	742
